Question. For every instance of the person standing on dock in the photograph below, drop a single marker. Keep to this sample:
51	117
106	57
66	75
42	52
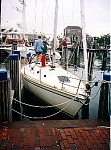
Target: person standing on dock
38	50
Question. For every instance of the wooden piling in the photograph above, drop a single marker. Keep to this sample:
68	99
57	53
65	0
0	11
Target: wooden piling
15	71
64	57
85	112
103	110
104	57
5	96
14	45
3	55
14	67
91	58
104	101
15	77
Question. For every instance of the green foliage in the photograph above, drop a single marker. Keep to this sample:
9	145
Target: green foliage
103	40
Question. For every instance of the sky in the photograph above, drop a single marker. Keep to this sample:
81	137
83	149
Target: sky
39	15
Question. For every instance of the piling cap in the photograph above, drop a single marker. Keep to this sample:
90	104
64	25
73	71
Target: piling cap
16	52
3	74
107	76
14	57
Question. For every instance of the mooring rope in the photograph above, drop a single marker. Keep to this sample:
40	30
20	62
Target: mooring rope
52	114
41	106
44	116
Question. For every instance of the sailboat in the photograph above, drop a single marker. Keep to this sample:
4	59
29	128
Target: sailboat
53	84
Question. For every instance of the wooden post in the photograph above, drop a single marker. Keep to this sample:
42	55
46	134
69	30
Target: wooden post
66	57
5	96
2	55
91	59
104	60
75	58
85	112
104	101
15	72
14	45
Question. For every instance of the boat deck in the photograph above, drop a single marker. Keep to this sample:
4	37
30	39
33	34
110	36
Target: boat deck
55	135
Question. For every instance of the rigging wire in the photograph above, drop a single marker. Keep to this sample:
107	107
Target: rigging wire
13	15
47	17
63	15
35	17
72	12
42	16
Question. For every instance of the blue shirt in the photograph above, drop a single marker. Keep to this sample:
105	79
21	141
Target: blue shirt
37	45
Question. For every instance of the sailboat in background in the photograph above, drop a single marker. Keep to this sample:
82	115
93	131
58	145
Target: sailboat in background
15	38
53	84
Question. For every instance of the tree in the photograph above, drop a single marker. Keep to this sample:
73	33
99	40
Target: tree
103	40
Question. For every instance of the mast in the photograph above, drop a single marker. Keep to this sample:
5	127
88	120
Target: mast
35	16
55	32
23	17
24	24
83	24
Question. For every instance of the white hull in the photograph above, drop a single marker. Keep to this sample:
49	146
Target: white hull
51	91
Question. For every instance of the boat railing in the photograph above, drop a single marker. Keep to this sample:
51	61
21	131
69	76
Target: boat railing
64	83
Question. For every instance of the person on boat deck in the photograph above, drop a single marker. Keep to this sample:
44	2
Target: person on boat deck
44	48
44	51
64	43
28	54
37	47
